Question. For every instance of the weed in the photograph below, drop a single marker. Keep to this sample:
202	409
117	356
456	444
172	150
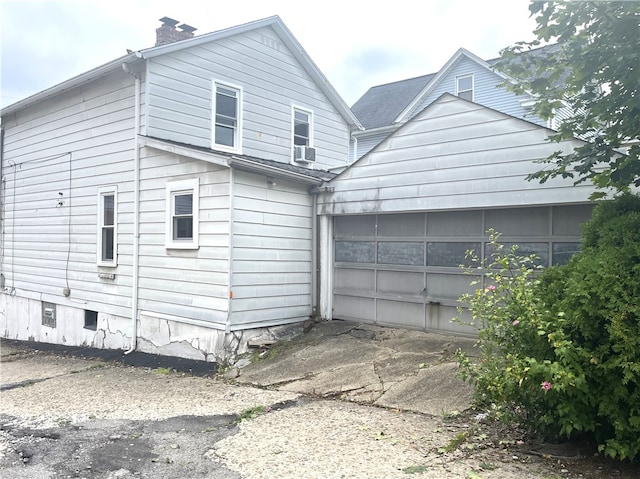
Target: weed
164	371
251	413
456	442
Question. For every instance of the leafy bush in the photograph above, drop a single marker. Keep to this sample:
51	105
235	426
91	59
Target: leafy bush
560	350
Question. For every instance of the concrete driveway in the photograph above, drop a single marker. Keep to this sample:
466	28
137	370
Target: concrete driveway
343	401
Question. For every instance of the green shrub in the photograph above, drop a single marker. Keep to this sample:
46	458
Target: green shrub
560	350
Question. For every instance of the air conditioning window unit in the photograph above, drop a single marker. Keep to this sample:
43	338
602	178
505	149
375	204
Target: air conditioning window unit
304	154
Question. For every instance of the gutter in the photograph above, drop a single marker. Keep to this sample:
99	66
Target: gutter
136	212
251	166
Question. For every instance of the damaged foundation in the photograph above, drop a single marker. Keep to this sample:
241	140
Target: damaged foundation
155	335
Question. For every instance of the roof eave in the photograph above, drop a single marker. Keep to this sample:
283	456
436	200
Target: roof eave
253	167
69	84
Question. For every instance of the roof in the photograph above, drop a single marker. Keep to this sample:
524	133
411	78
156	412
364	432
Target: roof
273	22
382	104
254	164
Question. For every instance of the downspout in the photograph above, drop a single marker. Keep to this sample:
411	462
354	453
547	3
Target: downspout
2	205
230	253
136	211
314	256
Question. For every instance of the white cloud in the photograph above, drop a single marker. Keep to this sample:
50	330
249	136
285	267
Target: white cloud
356	44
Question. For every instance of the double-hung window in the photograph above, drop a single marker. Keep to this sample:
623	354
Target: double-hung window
302	134
301	127
227	101
182	214
464	86
107	254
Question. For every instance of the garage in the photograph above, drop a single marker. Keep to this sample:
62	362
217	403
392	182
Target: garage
405	269
396	225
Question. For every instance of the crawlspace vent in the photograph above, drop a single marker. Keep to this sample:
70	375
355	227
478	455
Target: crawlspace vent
48	314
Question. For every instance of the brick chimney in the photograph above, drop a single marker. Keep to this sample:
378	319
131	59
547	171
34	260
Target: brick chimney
168	33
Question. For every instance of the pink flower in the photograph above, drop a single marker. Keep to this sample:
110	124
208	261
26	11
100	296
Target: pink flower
267	409
546	385
491	288
515	323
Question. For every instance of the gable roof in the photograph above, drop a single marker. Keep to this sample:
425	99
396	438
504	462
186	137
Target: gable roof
384	105
273	22
445	98
437	78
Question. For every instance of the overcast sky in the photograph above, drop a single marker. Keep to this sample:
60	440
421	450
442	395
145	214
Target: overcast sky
356	44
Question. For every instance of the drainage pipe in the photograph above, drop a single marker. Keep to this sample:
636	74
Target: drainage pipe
136	211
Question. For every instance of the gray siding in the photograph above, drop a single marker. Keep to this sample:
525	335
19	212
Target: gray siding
272	252
73	145
486	91
454	155
180	97
189	284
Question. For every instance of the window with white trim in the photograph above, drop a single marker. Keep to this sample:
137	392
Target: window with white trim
107	254
227	121
182	214
464	86
302	127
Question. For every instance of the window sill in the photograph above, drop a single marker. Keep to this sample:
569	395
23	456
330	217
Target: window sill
181	246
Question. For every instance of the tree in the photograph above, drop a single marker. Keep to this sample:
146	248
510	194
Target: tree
593	67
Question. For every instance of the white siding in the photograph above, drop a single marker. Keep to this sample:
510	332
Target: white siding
73	145
190	284
180	97
454	155
486	91
272	252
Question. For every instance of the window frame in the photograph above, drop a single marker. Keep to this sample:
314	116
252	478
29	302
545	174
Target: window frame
237	134
104	192
472	89
298	109
173	189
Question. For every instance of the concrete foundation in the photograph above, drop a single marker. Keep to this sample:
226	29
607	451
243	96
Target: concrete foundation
24	319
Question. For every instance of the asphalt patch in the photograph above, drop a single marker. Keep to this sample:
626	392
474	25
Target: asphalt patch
135	358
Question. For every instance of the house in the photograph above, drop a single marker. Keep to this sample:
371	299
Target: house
384	108
397	224
161	202
184	199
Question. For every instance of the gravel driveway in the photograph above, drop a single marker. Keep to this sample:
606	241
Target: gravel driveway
68	417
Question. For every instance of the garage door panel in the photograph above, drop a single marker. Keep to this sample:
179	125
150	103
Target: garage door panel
401	224
439	319
400	313
352	307
449	286
354	279
400	282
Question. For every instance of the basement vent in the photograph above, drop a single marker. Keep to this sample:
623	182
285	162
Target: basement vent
90	320
48	314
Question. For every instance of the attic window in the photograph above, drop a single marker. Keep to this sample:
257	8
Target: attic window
227	101
464	87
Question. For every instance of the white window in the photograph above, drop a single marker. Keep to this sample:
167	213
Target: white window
464	87
107	251
227	121
302	127
182	214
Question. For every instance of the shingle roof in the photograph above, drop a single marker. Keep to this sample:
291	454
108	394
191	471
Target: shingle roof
248	161
382	104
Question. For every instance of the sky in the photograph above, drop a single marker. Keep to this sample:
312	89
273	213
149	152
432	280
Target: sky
356	44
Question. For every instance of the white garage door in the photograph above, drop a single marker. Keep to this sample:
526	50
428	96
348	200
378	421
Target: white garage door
404	269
